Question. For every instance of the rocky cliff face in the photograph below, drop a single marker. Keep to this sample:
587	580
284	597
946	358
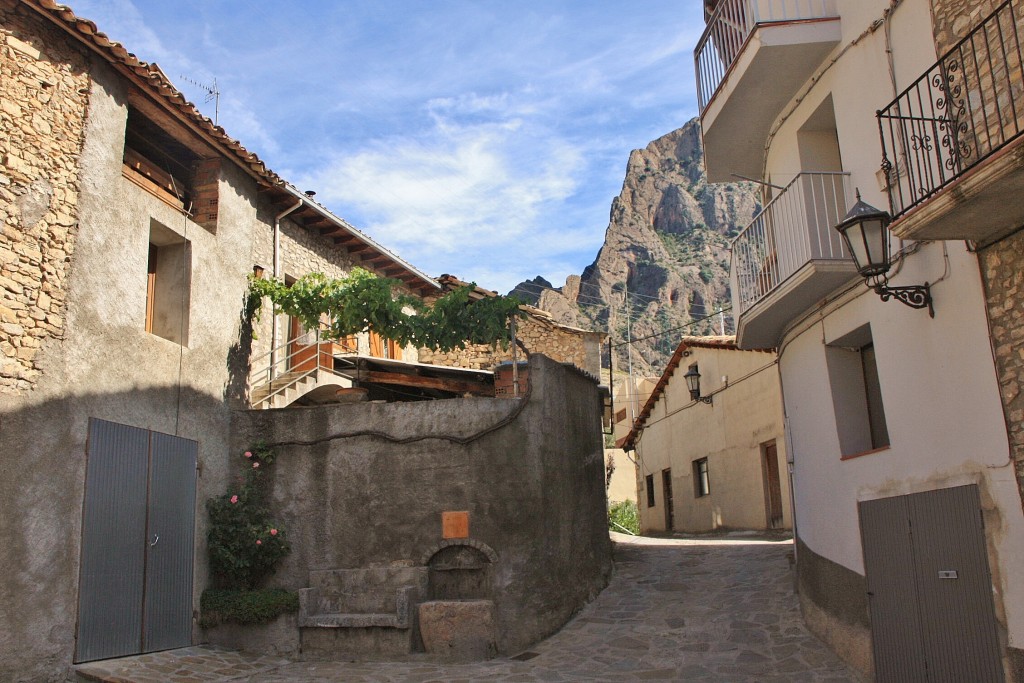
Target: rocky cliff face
665	259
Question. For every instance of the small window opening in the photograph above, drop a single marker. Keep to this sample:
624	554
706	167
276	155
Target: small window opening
701	480
650	490
856	393
168	283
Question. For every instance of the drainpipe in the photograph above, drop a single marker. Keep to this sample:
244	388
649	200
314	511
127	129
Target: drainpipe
275	331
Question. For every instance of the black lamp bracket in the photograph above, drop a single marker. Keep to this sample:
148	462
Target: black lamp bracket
703	399
915	296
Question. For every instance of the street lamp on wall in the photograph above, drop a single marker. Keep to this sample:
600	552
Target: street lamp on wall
692	378
865	232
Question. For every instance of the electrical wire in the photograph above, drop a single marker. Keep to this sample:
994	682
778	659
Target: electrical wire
675	329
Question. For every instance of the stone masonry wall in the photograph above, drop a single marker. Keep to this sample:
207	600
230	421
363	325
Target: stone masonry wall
538	335
982	72
1002	267
952	19
301	253
44	88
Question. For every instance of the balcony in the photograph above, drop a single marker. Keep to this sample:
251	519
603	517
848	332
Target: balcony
790	257
952	149
750	62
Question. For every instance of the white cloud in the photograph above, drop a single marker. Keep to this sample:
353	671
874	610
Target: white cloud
459	194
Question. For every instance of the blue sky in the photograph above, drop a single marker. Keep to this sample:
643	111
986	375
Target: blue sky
481	138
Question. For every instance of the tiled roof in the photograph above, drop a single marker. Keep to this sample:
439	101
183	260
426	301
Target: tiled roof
725	342
155	81
150	78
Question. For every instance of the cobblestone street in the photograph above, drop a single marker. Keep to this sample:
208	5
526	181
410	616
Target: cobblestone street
707	609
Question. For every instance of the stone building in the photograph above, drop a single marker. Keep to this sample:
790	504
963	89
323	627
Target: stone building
129	225
903	428
537	332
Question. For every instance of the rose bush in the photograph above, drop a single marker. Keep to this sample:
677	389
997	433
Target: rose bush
244	544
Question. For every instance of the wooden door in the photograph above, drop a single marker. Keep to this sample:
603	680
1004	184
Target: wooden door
301	355
772	487
666	483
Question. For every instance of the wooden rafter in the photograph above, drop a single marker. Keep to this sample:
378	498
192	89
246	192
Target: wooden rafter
458	386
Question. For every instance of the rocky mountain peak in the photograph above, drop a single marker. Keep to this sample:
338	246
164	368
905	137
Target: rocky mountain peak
665	259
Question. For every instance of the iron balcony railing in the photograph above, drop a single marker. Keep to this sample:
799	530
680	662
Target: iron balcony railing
966	107
793	229
732	23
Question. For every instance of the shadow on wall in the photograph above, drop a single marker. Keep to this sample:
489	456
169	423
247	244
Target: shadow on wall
240	354
44	454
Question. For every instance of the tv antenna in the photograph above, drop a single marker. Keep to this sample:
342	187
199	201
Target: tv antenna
212	94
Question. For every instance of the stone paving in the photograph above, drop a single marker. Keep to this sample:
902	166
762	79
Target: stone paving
679	609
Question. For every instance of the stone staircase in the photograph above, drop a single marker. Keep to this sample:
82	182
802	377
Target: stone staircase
284	389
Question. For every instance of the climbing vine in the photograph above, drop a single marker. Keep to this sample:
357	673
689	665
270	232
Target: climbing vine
362	301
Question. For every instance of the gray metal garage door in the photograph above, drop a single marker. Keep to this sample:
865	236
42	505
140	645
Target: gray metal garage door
929	588
138	527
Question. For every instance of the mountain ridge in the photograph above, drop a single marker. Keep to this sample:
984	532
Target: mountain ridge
663	269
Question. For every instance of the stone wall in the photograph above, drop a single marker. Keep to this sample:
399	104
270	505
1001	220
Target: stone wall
1002	267
539	335
984	74
533	488
44	89
953	19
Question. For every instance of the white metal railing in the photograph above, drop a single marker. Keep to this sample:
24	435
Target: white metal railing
796	227
731	24
287	365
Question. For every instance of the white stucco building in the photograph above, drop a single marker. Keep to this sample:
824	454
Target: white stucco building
900	426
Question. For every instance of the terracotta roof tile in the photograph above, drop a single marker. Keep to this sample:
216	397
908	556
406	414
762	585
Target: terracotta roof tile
155	80
724	342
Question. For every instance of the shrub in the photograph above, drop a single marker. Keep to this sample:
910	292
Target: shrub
624	515
220	606
244	543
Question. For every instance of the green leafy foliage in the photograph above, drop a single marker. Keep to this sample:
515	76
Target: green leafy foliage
624	515
362	301
223	606
243	542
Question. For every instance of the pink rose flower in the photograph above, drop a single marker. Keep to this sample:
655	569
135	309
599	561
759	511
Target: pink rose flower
248	454
259	542
273	532
234	499
255	465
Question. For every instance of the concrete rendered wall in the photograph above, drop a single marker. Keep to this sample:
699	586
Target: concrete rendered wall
730	434
623	481
534	490
927	368
105	365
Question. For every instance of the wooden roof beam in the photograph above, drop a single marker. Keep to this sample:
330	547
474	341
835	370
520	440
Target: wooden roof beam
458	386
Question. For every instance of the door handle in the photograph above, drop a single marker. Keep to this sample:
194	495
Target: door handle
156	539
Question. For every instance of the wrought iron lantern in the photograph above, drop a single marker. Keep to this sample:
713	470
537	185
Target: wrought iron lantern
865	232
692	378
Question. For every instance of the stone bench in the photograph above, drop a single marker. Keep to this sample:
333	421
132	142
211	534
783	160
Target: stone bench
363	612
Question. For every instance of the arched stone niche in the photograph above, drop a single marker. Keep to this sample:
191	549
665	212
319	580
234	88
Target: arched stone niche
460	569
